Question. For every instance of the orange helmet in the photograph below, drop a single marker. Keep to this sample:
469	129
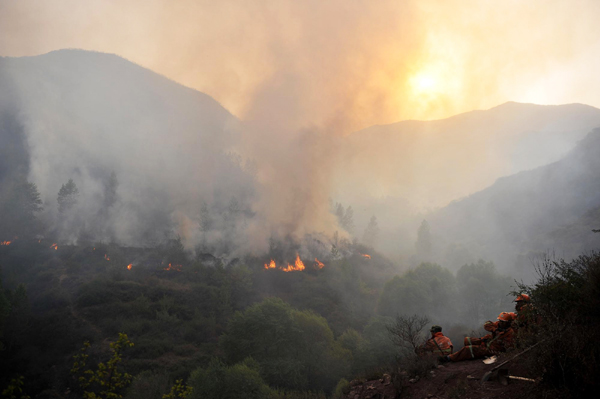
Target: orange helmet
505	316
523	298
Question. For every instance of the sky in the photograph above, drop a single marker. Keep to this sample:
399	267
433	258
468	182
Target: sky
340	65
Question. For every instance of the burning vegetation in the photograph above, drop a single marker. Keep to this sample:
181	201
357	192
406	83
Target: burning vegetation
55	246
5	242
171	266
296	267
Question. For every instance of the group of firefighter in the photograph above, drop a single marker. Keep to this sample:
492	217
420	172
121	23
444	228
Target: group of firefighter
501	336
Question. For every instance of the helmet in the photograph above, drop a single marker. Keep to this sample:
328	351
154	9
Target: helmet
523	298
435	329
505	316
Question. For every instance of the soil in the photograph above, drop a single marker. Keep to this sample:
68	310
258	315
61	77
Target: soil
449	381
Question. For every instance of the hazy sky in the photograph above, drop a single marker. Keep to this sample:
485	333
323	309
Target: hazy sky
339	64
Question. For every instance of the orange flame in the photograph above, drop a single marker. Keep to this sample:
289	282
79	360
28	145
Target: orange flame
5	242
366	256
55	246
106	257
319	264
129	266
298	265
270	265
177	268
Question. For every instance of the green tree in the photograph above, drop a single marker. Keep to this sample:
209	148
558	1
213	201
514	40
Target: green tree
428	290
67	196
219	381
107	381
483	292
295	349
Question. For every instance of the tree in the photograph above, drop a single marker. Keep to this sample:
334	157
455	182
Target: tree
406	332
110	190
371	233
67	196
106	381
295	349
219	381
19	203
423	244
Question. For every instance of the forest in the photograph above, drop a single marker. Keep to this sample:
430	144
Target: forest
188	316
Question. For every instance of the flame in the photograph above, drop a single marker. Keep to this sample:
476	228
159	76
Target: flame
5	242
366	256
319	264
177	268
129	266
270	265
106	257
298	265
55	246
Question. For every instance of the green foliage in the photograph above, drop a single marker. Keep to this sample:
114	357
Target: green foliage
295	349
341	389
565	316
428	290
218	381
106	381
179	391
148	385
14	390
483	292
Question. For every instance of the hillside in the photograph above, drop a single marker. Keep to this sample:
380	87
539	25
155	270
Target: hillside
81	115
431	163
545	209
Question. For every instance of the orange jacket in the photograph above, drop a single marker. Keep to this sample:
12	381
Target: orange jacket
499	340
442	341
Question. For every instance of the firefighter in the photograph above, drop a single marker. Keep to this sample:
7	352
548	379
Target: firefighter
522	303
499	339
438	343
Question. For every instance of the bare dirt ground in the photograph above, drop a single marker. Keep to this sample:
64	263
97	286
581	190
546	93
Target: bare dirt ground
452	380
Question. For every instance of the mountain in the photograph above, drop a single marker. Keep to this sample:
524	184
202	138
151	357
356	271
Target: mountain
548	209
430	163
81	115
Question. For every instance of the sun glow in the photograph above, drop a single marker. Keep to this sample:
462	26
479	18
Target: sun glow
424	83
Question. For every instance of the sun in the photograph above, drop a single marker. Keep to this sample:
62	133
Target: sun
423	83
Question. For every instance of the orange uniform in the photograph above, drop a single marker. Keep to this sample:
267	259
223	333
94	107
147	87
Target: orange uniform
499	340
439	344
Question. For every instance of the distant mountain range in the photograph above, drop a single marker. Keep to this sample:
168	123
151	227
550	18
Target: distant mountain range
548	210
431	163
81	115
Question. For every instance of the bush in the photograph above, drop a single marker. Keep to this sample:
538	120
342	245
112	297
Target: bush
219	381
565	316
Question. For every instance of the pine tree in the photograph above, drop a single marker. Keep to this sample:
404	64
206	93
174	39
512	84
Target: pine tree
67	196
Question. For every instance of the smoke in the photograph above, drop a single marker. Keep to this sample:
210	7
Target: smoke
300	76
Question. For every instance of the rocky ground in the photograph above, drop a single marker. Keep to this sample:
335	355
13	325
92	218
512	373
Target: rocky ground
448	381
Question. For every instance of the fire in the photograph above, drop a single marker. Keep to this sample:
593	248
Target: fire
298	265
55	246
5	242
106	257
270	265
366	256
129	266
177	268
319	264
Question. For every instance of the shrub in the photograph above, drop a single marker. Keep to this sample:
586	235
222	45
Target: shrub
565	316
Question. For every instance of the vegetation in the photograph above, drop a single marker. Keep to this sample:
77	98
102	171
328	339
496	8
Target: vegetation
565	317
